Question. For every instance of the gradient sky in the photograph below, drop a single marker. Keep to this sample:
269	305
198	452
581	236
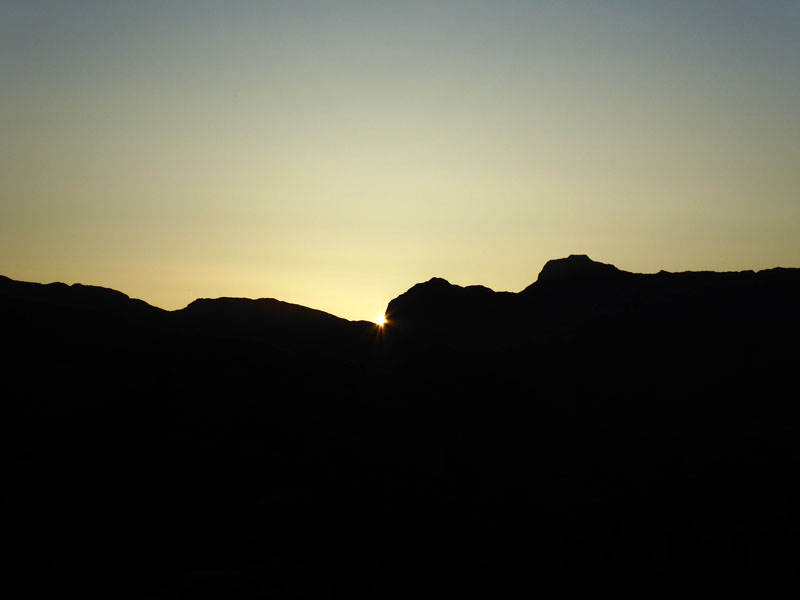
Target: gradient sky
333	154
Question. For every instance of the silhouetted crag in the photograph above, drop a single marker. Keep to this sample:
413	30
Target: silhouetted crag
578	268
599	432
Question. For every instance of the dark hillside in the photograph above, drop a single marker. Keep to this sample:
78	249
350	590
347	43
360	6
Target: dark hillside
600	432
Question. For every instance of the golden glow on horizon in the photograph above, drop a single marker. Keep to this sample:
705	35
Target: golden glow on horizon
381	321
333	159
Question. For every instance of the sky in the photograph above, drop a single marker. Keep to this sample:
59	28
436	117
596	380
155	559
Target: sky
333	154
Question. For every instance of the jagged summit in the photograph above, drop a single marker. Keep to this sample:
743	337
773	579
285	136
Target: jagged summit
440	281
575	266
437	299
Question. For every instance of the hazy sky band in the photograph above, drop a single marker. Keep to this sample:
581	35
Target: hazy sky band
333	154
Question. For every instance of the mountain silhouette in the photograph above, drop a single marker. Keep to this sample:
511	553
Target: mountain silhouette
599	431
576	267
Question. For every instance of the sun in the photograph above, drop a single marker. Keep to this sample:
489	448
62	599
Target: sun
381	321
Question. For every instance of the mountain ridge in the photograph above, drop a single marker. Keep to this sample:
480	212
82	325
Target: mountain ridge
575	269
631	428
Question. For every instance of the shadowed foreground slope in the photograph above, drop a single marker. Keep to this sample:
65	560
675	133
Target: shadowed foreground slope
598	431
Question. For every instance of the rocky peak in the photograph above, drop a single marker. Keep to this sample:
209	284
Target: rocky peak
575	267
